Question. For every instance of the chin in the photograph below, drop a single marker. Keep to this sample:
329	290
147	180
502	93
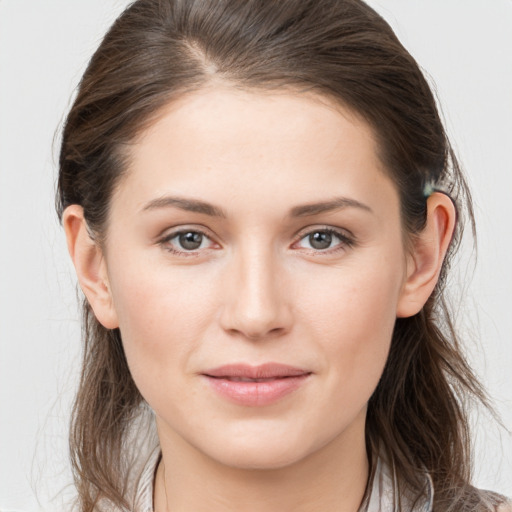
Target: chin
261	458
258	450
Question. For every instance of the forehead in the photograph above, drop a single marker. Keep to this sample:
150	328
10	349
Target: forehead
220	115
286	147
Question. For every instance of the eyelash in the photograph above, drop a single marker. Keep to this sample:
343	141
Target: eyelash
346	241
165	242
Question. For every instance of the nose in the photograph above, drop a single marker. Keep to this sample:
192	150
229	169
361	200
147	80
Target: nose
256	302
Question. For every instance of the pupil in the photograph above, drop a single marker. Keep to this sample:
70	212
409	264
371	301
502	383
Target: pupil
191	240
320	240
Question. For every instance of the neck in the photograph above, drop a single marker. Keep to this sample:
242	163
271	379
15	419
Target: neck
332	479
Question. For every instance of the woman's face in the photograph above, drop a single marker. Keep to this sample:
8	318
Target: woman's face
256	264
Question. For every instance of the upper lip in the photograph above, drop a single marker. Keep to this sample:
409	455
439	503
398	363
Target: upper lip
263	371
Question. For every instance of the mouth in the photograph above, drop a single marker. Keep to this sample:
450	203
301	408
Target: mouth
248	385
247	379
268	371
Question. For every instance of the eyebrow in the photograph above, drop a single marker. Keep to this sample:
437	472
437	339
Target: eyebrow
197	206
190	205
337	203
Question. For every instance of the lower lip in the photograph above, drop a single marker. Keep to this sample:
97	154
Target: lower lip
255	394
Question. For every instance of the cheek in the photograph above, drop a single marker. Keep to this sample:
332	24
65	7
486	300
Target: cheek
358	299
162	315
353	320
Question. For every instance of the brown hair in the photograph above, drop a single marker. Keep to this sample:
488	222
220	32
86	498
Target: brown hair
160	49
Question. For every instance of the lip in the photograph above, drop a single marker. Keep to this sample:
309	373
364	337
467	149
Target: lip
255	385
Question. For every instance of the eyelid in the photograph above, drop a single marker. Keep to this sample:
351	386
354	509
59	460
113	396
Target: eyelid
179	228
347	239
170	233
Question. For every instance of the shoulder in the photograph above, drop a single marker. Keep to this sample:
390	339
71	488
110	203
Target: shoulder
496	502
505	507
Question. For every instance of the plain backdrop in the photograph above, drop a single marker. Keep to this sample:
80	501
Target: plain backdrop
466	48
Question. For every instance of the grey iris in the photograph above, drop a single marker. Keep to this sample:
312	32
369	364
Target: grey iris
191	240
320	240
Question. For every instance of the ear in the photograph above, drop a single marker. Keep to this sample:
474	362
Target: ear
90	266
426	258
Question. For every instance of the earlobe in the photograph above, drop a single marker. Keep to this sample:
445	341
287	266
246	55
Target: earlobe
429	249
90	266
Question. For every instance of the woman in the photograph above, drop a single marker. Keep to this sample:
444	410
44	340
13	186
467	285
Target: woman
261	204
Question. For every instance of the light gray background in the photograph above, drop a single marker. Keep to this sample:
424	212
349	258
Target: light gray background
465	45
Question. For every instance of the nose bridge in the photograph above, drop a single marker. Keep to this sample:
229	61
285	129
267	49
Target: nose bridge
256	305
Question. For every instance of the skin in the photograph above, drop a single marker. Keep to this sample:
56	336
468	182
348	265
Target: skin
256	291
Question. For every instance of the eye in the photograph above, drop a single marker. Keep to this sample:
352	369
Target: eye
324	240
186	241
